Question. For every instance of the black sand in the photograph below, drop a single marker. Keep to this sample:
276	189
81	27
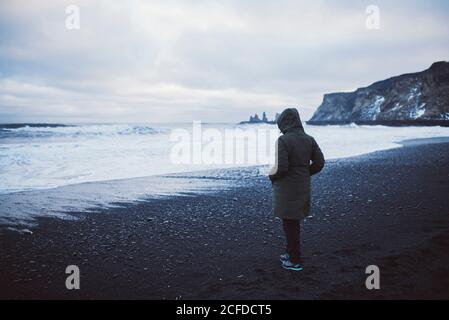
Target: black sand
388	208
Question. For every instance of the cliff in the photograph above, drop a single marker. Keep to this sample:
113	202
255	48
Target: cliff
420	98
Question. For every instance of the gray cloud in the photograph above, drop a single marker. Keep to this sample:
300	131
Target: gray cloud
203	60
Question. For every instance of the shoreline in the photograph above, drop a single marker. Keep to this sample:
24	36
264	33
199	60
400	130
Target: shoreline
387	208
95	196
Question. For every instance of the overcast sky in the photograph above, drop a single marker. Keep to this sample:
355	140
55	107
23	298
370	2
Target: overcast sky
158	61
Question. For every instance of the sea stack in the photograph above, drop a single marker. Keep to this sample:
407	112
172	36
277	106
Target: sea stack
256	119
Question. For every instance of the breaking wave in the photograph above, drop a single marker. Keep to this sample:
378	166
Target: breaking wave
74	131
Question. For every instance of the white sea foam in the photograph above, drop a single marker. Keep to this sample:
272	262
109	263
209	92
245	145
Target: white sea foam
39	158
36	159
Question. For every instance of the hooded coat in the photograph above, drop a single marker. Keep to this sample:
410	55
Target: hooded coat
298	157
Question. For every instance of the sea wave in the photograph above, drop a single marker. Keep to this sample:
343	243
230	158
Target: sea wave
55	130
37	125
42	157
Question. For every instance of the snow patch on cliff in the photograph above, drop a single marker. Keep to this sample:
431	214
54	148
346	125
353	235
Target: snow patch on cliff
418	111
414	92
373	109
397	106
444	116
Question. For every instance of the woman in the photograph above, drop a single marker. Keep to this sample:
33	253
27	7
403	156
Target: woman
298	157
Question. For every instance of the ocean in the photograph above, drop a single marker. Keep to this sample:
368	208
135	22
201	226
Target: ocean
48	169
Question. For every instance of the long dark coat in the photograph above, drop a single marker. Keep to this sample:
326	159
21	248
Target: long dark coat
298	156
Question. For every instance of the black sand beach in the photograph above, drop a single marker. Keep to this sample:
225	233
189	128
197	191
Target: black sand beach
388	208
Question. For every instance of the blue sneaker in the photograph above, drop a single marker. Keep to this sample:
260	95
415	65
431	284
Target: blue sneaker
284	257
287	264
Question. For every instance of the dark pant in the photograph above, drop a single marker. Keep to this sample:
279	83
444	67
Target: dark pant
291	229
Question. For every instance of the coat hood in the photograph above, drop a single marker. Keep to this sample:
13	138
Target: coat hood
289	119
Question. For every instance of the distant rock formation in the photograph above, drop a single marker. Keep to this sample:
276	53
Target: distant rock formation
264	117
420	98
256	119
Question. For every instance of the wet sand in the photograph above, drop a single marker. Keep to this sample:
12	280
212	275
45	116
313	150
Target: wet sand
388	208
